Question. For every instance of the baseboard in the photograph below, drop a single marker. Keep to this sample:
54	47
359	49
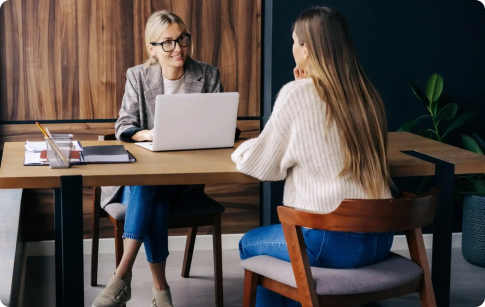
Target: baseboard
107	246
203	242
400	242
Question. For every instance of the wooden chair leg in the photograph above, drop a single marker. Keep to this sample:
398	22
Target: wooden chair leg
216	237
95	244
250	288
119	226
189	251
418	255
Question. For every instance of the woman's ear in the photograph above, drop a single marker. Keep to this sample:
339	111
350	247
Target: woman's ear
305	52
150	48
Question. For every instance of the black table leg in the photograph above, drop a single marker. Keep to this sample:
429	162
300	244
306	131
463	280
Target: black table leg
442	232
271	197
69	242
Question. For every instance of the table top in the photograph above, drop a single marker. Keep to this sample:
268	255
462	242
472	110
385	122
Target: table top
403	165
213	166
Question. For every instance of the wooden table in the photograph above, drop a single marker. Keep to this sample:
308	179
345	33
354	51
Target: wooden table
214	167
163	168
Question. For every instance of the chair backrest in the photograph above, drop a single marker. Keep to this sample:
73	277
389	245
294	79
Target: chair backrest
368	215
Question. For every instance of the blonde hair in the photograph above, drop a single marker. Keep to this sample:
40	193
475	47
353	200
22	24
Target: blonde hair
156	24
352	101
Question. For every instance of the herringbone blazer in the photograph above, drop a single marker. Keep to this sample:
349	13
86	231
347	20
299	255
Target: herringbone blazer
143	85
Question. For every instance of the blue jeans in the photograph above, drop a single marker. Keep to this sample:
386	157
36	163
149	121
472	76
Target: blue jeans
326	249
148	208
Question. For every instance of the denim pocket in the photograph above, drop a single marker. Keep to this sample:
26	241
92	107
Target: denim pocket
341	250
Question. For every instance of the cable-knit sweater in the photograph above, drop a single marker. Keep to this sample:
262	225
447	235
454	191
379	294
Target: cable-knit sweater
297	145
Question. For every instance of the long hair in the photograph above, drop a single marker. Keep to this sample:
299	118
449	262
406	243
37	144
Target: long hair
156	24
352	101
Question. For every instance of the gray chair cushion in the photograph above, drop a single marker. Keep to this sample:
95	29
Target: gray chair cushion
392	272
116	210
202	206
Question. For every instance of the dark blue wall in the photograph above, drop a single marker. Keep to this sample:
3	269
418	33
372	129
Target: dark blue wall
400	41
396	41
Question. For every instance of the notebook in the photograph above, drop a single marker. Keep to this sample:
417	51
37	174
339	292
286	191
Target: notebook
105	154
75	156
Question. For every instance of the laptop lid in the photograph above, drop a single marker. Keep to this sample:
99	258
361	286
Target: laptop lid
195	121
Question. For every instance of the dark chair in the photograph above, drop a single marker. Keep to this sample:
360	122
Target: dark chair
312	286
206	212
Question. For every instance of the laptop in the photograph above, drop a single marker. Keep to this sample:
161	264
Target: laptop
194	121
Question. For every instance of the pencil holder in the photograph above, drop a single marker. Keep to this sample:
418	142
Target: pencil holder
59	148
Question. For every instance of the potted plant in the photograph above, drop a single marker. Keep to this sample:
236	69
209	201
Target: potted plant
472	187
439	113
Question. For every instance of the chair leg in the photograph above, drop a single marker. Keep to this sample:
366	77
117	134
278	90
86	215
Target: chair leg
119	226
95	246
189	251
250	288
216	237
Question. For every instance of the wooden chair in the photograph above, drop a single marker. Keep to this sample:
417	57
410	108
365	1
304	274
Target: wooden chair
311	286
207	212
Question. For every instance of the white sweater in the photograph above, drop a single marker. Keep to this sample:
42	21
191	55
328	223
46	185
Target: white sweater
296	145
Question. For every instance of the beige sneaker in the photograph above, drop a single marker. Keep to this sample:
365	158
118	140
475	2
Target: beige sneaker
116	293
161	298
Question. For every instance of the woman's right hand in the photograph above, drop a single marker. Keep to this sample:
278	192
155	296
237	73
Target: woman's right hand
299	74
143	135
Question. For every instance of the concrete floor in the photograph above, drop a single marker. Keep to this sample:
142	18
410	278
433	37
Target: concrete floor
467	283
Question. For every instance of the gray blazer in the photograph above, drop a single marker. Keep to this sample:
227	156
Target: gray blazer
138	107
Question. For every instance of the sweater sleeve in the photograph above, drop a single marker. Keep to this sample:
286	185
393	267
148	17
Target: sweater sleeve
267	157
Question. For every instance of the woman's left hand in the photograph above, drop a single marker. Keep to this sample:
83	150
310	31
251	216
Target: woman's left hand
299	73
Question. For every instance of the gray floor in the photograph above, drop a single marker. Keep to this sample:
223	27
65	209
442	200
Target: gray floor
467	285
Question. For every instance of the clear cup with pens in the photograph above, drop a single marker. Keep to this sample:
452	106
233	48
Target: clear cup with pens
59	148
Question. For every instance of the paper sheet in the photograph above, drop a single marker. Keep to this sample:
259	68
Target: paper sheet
39	146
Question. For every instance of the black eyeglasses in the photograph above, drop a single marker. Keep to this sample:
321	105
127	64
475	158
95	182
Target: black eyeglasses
184	40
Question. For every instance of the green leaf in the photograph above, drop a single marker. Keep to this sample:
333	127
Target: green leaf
470	144
447	112
479	141
436	107
479	187
434	87
409	126
421	96
457	122
427	133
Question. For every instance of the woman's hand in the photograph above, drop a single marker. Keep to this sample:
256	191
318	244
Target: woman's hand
144	135
299	73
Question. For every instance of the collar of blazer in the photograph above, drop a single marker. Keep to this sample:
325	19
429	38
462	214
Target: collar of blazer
194	78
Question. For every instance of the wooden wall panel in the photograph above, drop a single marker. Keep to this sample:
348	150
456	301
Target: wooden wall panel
89	131
240	200
67	59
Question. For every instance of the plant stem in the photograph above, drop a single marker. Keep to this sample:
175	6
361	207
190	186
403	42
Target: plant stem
436	130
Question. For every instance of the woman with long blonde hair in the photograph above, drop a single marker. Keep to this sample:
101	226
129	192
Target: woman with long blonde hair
169	70
327	137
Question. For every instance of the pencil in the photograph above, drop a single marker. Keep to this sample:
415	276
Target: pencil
53	145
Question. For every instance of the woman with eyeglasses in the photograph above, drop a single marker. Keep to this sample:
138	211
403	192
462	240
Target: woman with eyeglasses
169	70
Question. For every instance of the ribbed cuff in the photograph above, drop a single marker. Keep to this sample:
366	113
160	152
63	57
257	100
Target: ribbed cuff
126	136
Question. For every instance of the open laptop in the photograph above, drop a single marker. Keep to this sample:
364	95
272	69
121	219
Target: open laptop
194	121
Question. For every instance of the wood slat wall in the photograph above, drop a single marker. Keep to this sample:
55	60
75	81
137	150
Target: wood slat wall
67	59
240	200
